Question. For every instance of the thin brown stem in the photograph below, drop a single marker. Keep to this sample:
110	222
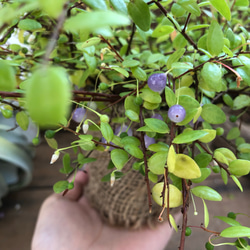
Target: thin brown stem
145	162
112	48
184	212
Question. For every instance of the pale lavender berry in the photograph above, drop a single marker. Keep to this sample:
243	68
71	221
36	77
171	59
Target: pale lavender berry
148	140
157	82
176	113
78	114
157	116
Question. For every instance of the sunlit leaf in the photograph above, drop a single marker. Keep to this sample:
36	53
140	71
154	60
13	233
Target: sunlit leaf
235	232
157	162
140	14
206	214
206	193
157	125
119	157
189	136
222	7
175	195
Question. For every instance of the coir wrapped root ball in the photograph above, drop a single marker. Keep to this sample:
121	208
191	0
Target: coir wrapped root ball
125	204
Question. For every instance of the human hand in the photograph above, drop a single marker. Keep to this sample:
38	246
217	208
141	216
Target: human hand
68	222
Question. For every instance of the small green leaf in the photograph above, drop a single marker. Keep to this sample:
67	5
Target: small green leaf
175	57
228	100
152	177
107	131
87	160
139	73
96	5
134	151
170	97
157	147
235	232
120	6
66	164
224	175
227	153
140	14
203	159
239	167
22	120
233	133
244	148
130	140
90	42
60	186
29	24
150	96
162	30
206	214
205	172
129	104
157	125
157	162
127	63
230	221
220	157
189	136
213	114
211	77
191	106
133	116
206	193
241	101
119	157
191	7
222	7
209	137
145	129
215	39
87	145
173	223
52	142
120	70
86	137
237	182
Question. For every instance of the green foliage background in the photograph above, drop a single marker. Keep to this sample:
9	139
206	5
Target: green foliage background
99	54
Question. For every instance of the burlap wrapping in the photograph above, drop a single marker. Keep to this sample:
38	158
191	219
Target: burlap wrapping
126	203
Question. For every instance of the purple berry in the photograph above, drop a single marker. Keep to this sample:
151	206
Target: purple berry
78	114
157	116
120	129
148	140
176	113
157	82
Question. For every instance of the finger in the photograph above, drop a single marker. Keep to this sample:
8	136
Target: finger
81	179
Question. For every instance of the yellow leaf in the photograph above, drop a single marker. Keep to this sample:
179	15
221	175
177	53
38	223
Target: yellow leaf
175	195
186	167
171	159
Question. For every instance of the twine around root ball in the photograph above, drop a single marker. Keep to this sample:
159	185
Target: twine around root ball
125	204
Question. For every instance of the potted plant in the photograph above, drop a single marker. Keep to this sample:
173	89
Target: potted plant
154	80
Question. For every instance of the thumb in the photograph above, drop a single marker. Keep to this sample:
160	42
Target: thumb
81	179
